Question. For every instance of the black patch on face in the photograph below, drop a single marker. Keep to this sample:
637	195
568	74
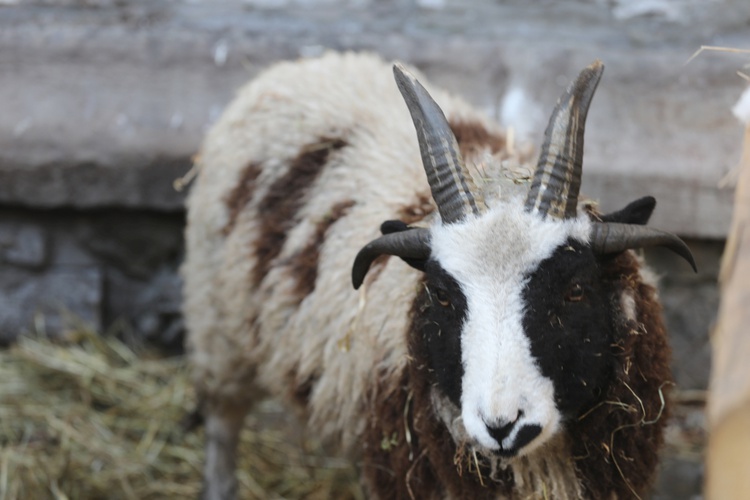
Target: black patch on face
441	315
567	320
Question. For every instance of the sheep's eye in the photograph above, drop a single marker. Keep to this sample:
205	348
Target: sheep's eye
442	297
575	293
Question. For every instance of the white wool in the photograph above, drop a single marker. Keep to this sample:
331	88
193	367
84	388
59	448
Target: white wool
742	109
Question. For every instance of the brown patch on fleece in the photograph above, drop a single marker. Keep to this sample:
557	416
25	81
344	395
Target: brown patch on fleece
240	195
285	197
418	210
616	443
428	464
389	456
304	264
472	136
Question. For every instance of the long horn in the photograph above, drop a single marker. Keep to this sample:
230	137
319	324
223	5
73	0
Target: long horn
410	244
557	180
452	188
613	237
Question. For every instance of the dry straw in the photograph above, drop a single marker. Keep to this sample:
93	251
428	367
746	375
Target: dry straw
90	419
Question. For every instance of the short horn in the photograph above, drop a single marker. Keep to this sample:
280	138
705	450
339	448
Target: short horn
452	187
557	179
612	237
409	244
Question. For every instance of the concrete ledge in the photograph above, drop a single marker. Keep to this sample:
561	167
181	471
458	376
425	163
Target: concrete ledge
104	105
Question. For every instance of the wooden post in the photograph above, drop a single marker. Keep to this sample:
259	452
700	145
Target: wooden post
728	459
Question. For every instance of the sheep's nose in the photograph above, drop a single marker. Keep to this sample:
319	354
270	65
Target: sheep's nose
500	430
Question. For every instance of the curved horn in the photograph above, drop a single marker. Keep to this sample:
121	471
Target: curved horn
452	188
557	179
410	244
613	237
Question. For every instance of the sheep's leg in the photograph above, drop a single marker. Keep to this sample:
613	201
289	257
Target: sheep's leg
222	434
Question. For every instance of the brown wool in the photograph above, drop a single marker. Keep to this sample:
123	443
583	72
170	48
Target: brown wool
417	211
284	199
304	264
617	442
387	452
241	195
472	136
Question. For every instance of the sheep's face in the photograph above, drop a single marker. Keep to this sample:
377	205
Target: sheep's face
517	328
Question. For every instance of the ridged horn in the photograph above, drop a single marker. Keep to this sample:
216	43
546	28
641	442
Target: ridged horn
410	244
452	188
613	237
557	179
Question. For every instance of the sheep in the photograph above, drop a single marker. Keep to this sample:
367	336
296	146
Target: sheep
515	349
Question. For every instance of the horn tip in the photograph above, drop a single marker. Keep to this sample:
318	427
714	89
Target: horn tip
356	281
407	84
681	249
691	261
591	75
361	266
401	73
594	70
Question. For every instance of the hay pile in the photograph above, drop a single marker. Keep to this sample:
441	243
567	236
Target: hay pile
90	419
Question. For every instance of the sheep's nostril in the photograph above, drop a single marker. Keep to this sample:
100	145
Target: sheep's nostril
499	433
501	430
522	435
526	434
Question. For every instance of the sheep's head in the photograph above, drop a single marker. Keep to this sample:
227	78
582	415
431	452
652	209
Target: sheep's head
517	328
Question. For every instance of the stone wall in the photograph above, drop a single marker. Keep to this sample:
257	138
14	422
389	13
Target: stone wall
108	269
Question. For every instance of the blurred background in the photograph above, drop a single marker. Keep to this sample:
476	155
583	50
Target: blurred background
103	103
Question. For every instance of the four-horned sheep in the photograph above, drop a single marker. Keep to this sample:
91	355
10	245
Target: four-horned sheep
515	349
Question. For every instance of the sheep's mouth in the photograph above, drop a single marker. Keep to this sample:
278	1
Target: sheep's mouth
506	453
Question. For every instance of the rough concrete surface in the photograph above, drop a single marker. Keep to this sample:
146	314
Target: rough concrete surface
105	101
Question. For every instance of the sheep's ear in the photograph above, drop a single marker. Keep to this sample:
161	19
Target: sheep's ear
393	226
397	226
637	212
